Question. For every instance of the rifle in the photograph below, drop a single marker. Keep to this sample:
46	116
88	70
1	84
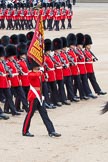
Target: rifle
95	58
7	68
18	67
76	52
70	58
62	61
54	60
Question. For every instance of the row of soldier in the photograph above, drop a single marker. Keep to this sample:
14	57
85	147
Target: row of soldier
23	17
70	67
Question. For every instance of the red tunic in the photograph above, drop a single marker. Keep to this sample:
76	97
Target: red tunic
69	14
3	79
59	68
15	82
35	81
63	13
57	14
74	68
24	78
81	62
89	63
66	71
51	71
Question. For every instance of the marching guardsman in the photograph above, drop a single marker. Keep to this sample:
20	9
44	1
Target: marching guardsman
14	80
4	84
67	71
44	15
36	14
59	64
31	16
75	73
28	17
69	15
21	17
23	69
9	15
2	18
63	15
89	59
81	65
36	102
50	15
15	18
57	17
49	67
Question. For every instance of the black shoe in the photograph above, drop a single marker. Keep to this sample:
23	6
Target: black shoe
20	110
58	104
102	93
66	103
54	134
85	98
53	106
48	106
16	113
3	116
28	134
7	112
92	96
75	99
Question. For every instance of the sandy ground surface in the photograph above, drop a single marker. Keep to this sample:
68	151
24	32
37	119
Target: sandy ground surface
84	130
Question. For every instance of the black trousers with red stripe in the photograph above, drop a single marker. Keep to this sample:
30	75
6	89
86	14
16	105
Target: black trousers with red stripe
35	105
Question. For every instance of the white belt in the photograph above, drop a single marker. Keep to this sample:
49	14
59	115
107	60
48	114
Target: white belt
80	62
60	67
51	69
25	74
37	95
15	74
67	65
89	62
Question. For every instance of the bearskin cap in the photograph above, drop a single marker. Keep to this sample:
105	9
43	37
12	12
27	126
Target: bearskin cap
2	51
21	49
5	40
70	6
64	42
47	43
87	40
10	50
56	44
14	39
29	35
80	39
22	38
71	39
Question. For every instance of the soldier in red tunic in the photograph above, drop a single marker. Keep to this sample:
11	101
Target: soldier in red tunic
69	15
59	65
63	15
89	59
2	18
50	72
44	14
36	103
14	80
4	83
57	17
75	73
81	65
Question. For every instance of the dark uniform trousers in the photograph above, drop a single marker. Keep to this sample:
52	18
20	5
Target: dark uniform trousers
18	100
63	23
85	84
57	25
50	21
69	87
54	93
33	106
77	84
20	96
69	23
92	78
61	90
9	102
45	92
